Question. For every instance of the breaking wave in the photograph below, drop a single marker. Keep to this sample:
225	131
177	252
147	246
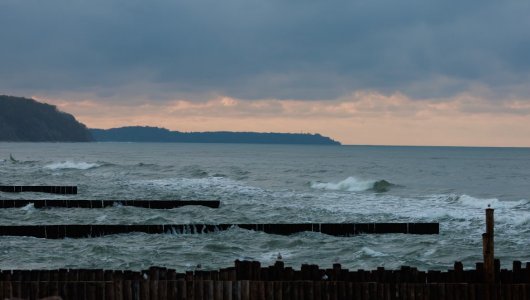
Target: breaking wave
473	202
30	207
65	165
368	252
354	184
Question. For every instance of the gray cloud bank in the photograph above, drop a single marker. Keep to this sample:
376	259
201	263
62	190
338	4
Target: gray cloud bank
254	49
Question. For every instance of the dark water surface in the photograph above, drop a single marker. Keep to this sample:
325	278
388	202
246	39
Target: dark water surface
270	184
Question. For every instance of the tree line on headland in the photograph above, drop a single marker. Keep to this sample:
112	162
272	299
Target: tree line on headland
162	135
26	120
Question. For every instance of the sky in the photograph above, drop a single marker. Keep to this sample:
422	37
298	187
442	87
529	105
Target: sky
379	72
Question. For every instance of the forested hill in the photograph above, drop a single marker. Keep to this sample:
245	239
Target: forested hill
155	134
26	120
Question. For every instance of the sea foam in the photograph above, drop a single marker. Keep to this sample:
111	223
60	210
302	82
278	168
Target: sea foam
208	187
71	165
473	202
369	252
350	184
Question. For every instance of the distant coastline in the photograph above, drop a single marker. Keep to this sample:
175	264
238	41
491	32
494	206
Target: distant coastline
141	134
27	120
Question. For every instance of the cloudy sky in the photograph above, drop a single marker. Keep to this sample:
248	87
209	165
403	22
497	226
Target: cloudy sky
408	72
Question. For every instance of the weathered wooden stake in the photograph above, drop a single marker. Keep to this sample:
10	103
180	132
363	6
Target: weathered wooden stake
488	248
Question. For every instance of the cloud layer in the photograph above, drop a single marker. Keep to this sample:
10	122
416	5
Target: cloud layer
254	49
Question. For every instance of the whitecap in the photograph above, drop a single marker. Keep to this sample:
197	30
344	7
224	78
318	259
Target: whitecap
28	207
473	202
366	251
430	252
64	165
521	219
350	184
205	183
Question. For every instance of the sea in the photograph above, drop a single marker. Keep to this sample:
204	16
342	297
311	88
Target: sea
269	184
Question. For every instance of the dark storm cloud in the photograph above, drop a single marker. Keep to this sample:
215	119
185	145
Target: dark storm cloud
264	49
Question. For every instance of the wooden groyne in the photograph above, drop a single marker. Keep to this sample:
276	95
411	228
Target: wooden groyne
64	190
339	229
152	204
248	280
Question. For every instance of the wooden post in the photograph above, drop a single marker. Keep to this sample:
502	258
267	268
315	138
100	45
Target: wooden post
218	290
208	292
227	290
489	221
459	272
144	289
488	248
181	290
278	290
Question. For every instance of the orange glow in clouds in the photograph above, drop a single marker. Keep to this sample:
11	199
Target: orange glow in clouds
361	118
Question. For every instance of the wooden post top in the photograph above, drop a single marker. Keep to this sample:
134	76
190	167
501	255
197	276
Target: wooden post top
490	221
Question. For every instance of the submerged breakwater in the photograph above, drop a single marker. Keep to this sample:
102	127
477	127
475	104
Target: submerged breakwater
337	229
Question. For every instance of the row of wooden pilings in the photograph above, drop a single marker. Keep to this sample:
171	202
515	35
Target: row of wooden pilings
63	190
248	280
96	230
259	290
69	203
252	271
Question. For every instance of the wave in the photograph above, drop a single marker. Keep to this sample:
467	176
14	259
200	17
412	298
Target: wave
13	160
239	172
381	186
207	187
473	202
369	252
30	207
354	184
524	219
179	183
65	165
195	171
141	164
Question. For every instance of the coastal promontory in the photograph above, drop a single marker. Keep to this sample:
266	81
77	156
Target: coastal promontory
26	120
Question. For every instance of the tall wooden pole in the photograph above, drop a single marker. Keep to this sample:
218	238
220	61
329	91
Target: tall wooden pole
488	248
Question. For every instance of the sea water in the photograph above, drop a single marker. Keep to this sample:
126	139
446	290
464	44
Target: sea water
269	184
